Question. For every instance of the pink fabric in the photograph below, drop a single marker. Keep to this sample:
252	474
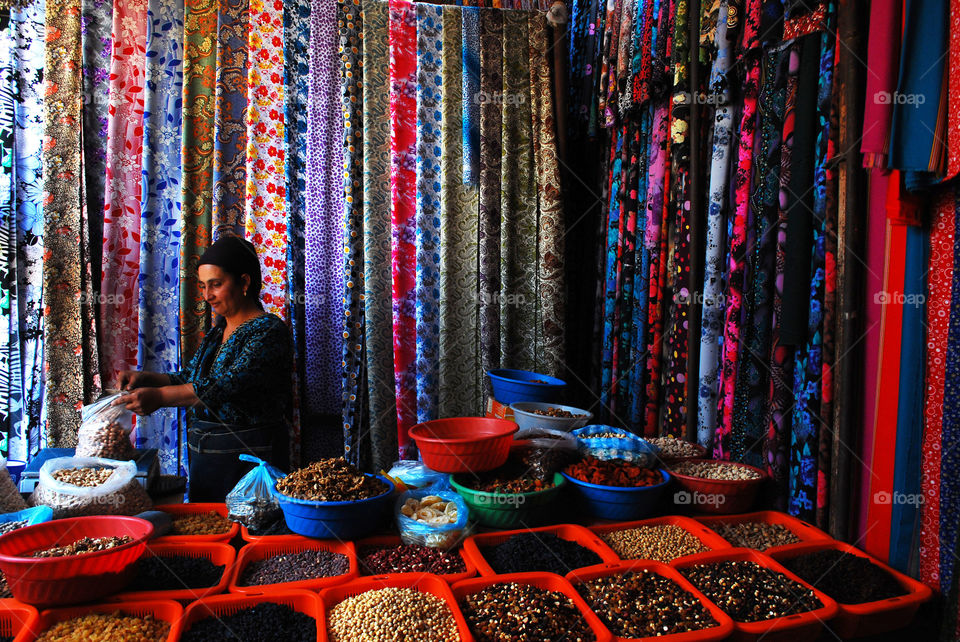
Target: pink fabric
403	191
121	223
883	65
266	217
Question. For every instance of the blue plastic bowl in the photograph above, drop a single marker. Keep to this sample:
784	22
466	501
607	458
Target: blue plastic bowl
35	515
510	386
15	468
618	503
337	520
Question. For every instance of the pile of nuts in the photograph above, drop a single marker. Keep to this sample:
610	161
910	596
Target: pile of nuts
645	604
209	523
83	477
725	471
265	621
748	592
847	578
394	614
410	559
175	572
512	612
608	435
756	535
330	480
103	627
8	527
83	546
130	499
663	543
431	510
294	567
526	552
103	436
671	447
555	412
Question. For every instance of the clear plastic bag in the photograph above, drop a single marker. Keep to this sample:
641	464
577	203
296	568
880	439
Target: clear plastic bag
105	430
120	494
544	451
630	448
10	498
252	501
435	533
413	474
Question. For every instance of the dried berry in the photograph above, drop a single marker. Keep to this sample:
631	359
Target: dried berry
538	552
294	567
265	622
410	559
613	472
175	572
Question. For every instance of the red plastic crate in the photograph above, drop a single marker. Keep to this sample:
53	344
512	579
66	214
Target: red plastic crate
472	545
389	541
223	605
178	510
262	550
545	581
17	620
166	610
706	536
800	627
869	618
424	582
720	632
219	554
248	538
798	527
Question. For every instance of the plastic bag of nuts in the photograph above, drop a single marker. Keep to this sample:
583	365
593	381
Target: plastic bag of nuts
118	494
105	430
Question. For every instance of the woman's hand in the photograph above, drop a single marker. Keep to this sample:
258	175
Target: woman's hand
130	379
142	401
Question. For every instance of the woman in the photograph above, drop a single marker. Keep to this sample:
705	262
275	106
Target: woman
237	386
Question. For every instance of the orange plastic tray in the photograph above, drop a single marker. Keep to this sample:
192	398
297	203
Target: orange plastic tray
261	550
218	553
424	582
706	536
389	541
545	581
799	627
223	605
724	624
798	527
472	545
869	618
17	620
247	537
178	510
166	610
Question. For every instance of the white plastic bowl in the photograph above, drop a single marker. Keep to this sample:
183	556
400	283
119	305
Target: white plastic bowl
526	418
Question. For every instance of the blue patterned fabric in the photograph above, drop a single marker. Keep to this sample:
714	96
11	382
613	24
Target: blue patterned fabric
471	94
160	225
9	402
429	96
610	278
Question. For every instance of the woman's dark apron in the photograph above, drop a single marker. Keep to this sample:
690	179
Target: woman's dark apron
215	467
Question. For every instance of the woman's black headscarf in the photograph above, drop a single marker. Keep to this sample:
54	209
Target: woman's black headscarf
237	256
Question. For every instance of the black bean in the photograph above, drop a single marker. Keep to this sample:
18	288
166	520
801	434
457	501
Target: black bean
293	567
538	552
175	572
512	612
410	559
265	622
847	578
278	527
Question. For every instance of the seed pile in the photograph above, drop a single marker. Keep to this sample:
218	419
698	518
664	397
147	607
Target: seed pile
330	480
265	622
84	477
294	567
756	535
613	472
644	604
410	559
103	627
84	545
8	527
175	572
512	612
671	447
663	543
748	592
210	523
847	578
394	615
716	470
538	552
555	412
608	435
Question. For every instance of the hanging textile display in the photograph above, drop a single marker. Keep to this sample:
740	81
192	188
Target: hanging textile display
470	75
950	432
160	225
9	358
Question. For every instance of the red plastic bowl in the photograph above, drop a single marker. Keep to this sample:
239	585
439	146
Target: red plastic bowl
718	496
800	627
721	631
165	610
870	618
464	444
804	531
52	581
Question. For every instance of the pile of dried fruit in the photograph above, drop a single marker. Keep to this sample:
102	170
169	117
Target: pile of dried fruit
555	412
209	523
613	472
431	510
103	627
330	480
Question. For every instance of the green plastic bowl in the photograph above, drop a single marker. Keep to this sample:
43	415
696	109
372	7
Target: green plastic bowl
509	510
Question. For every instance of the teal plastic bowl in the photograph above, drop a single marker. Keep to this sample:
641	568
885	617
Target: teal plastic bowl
509	510
337	520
